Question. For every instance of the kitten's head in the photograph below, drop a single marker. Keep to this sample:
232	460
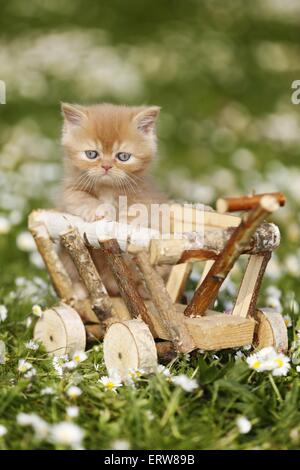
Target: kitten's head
108	144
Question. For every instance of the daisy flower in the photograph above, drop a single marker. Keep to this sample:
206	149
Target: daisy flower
25	242
163	370
111	383
3	430
67	434
30	373
79	356
183	381
243	424
47	391
74	392
41	428
24	366
37	311
3	313
72	411
281	365
32	345
287	321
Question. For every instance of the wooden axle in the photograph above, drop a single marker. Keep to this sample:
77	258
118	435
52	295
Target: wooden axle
245	203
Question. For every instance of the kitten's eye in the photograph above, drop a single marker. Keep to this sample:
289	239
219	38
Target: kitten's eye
91	154
123	156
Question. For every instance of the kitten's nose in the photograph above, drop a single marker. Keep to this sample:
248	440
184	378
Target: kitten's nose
106	167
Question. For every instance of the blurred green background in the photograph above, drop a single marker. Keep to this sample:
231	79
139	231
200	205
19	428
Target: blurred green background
220	70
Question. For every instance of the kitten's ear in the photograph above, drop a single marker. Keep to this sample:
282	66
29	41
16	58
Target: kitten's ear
73	114
145	120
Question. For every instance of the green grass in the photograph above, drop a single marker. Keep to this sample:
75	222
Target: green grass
222	74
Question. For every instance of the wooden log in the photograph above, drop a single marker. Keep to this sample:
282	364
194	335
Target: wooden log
187	218
245	303
207	245
270	330
100	300
220	331
245	203
61	330
225	261
172	319
134	240
177	280
129	345
125	281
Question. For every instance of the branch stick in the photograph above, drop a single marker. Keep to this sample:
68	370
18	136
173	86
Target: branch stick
225	261
100	301
125	281
170	316
245	203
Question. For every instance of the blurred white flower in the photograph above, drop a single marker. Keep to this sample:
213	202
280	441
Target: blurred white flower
33	345
292	265
282	365
183	381
3	313
67	434
72	411
24	365
288	321
5	225
70	365
47	391
274	303
3	430
163	370
111	383
37	260
74	392
79	356
30	373
37	311
2	352
41	428
243	424
120	444
273	291
25	242
298	368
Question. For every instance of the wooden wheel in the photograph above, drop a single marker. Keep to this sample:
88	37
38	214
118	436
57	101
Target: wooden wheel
270	330
129	345
61	330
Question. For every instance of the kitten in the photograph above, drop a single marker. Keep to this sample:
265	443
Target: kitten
107	153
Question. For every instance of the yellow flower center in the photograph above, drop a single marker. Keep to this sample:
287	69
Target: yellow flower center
279	362
76	358
256	364
110	385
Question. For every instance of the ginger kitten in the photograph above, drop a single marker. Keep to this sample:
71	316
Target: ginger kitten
107	153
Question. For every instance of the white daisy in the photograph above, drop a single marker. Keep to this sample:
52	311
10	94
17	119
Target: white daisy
287	321
41	428
70	365
72	411
3	313
25	242
281	365
243	424
30	373
37	311
3	430
74	392
33	345
67	434
24	366
183	381
120	444
79	356
111	383
47	391
163	370
5	225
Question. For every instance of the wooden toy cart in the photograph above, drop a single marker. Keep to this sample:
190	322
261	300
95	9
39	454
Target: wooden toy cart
137	332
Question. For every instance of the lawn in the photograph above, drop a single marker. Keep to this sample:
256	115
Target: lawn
222	74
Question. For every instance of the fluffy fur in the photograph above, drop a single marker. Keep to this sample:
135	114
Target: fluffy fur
88	184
